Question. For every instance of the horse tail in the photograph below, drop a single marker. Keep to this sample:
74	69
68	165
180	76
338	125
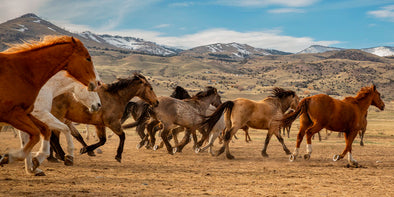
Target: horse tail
214	118
289	118
126	114
145	115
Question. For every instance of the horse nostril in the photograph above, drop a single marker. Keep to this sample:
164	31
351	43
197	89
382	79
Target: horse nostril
99	104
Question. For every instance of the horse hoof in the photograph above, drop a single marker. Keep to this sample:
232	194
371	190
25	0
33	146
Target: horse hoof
155	147
119	159
197	150
40	174
138	146
91	153
264	154
83	150
4	159
336	158
292	158
174	150
230	156
69	160
361	143
36	163
52	160
307	156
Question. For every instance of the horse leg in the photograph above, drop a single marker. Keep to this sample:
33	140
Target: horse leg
152	128
140	130
116	127
280	139
164	137
361	133
315	128
55	145
75	133
247	136
304	124
100	131
185	140
24	138
227	139
288	131
349	138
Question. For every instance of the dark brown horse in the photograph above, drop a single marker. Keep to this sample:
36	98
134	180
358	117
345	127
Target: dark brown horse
322	111
24	69
264	114
114	98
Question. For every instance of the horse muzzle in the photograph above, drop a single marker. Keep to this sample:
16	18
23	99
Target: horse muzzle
95	107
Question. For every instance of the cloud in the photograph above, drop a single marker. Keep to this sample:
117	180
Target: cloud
272	39
161	26
182	4
386	12
285	10
12	9
265	3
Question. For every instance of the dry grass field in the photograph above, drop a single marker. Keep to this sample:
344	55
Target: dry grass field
155	173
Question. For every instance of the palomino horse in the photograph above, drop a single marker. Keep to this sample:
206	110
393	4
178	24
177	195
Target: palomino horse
188	113
58	84
25	68
322	111
114	98
264	114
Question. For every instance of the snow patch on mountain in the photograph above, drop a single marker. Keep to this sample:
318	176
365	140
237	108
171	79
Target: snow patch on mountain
318	49
380	51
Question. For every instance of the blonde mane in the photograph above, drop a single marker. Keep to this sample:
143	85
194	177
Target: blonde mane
34	44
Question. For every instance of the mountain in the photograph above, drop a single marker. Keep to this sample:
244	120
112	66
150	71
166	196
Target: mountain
230	51
380	51
318	49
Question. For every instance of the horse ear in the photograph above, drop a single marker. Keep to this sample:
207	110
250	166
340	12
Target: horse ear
73	39
374	87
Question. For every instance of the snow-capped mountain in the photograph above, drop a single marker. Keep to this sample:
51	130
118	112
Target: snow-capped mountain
380	51
131	43
318	49
233	51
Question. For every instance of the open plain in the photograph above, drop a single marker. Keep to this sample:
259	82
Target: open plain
155	173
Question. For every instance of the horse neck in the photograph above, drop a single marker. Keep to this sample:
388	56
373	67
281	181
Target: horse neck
205	102
47	62
128	93
364	102
284	104
60	84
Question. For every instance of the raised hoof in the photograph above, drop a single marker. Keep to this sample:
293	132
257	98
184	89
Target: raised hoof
118	158
4	159
229	156
174	150
221	150
69	160
292	158
336	158
288	152
91	153
264	154
40	174
140	145
197	150
155	147
52	160
36	163
307	156
83	150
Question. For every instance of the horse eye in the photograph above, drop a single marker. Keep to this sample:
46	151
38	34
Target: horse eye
88	59
151	88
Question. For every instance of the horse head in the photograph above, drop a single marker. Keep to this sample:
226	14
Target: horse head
216	100
376	99
145	91
180	93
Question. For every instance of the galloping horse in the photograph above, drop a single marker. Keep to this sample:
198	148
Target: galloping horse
188	113
265	114
114	98
24	69
322	111
58	84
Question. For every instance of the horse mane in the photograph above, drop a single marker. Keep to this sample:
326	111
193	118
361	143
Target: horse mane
180	92
34	44
209	90
122	83
364	92
281	93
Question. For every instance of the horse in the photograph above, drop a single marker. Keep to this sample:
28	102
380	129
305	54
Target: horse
287	127
264	114
188	113
322	111
25	68
56	85
114	98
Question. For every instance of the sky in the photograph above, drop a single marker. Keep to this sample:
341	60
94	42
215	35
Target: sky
286	25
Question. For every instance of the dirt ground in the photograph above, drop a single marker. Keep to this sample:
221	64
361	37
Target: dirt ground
155	173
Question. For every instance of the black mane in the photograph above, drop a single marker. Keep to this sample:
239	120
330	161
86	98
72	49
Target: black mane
123	83
282	93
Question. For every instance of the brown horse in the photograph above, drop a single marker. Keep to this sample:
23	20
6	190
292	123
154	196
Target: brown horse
322	111
24	69
114	98
264	114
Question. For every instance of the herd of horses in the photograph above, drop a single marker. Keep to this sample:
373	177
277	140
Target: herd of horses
47	85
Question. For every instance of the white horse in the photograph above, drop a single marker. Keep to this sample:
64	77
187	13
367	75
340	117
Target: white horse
59	84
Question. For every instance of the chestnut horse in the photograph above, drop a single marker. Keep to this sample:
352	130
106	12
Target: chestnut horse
114	98
322	111
264	114
24	69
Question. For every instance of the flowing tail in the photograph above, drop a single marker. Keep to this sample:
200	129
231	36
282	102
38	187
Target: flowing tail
289	118
145	115
214	118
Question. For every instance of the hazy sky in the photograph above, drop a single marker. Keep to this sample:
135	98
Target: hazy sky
287	25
